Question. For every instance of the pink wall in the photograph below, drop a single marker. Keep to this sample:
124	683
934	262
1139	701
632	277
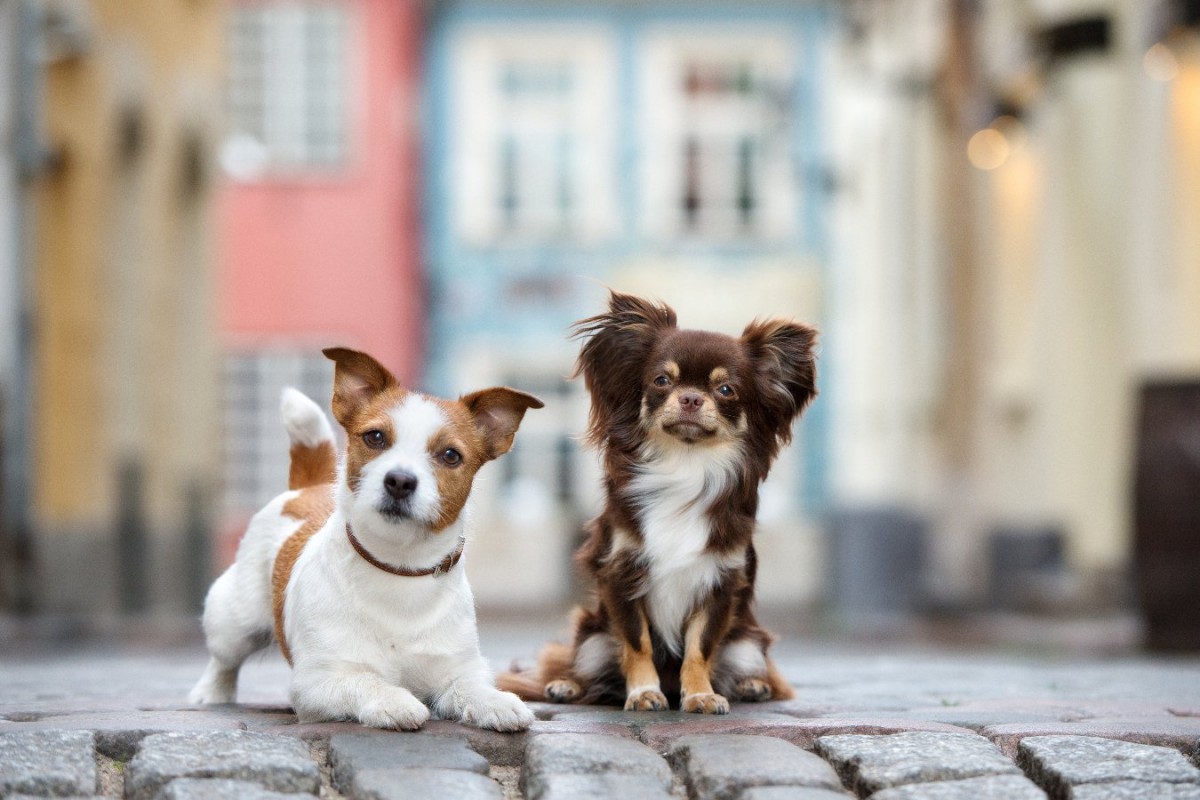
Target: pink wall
336	260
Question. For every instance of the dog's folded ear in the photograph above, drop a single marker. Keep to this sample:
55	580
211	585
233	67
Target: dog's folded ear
613	358
785	369
498	413
356	379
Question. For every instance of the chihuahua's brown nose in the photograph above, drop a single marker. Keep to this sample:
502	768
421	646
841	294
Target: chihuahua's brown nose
400	483
691	401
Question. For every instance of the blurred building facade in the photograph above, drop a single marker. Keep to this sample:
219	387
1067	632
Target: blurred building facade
661	148
319	216
1015	258
110	457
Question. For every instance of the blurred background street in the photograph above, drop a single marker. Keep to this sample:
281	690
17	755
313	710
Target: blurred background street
990	209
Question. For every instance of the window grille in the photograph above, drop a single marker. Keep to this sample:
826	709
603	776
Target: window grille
288	87
717	130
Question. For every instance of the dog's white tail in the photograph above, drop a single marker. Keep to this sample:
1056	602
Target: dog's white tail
313	459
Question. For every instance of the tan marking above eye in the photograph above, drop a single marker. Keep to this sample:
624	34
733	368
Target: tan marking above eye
672	370
718	376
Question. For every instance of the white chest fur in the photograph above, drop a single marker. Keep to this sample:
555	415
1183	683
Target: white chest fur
675	491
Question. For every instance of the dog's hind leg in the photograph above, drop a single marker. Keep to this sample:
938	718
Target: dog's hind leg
745	672
233	634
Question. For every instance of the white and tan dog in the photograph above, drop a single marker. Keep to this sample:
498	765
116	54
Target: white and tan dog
355	571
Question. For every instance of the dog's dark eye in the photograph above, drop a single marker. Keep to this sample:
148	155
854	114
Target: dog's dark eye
661	381
726	391
375	439
451	457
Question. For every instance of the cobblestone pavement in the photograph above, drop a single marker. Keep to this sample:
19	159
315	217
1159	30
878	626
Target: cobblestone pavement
885	723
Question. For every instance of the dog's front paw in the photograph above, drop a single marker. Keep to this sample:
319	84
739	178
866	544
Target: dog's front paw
752	690
563	690
705	703
498	711
208	694
650	699
394	710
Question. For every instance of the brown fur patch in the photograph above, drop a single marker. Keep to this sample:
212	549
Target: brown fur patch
454	482
781	689
637	659
312	466
372	415
694	675
313	506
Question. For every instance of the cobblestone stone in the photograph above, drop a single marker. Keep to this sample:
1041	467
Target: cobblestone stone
1136	790
47	763
792	793
548	757
424	784
1058	763
274	762
217	788
988	787
352	754
722	766
870	763
590	787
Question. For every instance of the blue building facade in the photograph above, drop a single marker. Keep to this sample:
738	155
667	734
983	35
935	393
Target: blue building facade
668	149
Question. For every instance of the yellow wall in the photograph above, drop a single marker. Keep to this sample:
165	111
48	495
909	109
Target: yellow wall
125	363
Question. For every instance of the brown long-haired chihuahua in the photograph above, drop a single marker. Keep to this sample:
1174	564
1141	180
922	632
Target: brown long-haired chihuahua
687	424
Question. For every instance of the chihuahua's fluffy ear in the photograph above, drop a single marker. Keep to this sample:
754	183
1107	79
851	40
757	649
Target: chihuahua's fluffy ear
356	379
785	367
613	358
498	412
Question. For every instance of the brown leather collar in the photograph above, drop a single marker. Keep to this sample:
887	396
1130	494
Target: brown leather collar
445	565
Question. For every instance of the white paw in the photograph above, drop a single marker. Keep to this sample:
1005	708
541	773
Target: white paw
499	711
394	710
646	698
206	693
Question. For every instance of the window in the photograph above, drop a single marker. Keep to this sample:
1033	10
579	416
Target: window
288	87
717	127
256	445
533	126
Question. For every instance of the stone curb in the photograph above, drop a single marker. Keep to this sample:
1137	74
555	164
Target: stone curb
723	766
869	764
47	763
1061	764
273	762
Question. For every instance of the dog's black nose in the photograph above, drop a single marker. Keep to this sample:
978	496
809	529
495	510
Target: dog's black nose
691	401
400	483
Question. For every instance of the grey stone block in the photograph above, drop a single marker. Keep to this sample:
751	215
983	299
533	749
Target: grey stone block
547	757
47	763
988	787
429	784
220	789
1057	763
870	763
279	763
594	787
792	793
1136	790
721	766
350	754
